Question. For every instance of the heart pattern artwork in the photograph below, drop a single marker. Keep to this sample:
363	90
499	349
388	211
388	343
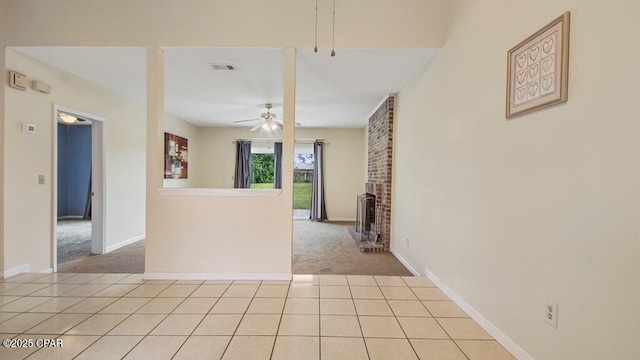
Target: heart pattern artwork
533	54
521	95
521	61
533	90
534	75
547	64
534	70
548	84
547	45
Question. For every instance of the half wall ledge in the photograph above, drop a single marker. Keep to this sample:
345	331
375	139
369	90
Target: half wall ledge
219	192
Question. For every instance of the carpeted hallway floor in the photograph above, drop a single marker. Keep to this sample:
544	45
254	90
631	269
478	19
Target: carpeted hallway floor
318	248
74	239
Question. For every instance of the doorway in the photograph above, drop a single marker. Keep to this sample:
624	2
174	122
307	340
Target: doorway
78	185
303	163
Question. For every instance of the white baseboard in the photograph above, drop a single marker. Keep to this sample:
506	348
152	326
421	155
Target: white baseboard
487	325
24	268
342	219
217	276
46	271
405	263
125	243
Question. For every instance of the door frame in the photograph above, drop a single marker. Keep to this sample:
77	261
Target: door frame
98	204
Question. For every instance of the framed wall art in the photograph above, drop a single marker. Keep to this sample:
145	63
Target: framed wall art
538	69
176	156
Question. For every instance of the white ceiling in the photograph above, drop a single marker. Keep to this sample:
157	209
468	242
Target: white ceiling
340	91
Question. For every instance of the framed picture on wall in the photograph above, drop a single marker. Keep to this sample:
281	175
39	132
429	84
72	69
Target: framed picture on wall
176	156
538	69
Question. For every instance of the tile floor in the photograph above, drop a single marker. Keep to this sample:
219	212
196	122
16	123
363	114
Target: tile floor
116	316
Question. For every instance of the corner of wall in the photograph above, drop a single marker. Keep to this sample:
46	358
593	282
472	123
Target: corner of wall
2	153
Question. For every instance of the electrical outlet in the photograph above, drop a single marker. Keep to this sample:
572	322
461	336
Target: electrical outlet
408	242
551	313
41	179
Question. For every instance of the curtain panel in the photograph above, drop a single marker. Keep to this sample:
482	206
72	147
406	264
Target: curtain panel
277	165
318	211
242	178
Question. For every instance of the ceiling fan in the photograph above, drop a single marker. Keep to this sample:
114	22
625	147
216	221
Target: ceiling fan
268	121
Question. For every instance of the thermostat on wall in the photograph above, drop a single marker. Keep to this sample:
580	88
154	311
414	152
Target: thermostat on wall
29	128
17	80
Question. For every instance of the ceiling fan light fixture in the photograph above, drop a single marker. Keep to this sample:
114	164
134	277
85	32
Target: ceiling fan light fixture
266	126
67	119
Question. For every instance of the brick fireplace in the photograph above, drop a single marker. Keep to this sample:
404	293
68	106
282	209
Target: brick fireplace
379	167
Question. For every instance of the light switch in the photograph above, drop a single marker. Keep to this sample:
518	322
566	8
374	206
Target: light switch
29	128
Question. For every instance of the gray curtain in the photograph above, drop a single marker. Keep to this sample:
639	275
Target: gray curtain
277	166
242	179
318	211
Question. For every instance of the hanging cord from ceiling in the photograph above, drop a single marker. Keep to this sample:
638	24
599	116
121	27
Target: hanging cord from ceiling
315	47
333	35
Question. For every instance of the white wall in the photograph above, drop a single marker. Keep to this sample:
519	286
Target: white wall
3	77
218	154
189	131
150	23
274	23
28	206
508	213
240	233
343	167
344	162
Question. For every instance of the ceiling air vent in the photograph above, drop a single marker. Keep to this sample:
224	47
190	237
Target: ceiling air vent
224	67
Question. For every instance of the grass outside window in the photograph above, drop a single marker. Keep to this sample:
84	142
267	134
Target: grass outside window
301	193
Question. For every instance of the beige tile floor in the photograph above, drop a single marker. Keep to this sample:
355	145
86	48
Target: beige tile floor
122	316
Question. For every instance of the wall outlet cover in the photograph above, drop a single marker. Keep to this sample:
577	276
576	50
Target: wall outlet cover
551	313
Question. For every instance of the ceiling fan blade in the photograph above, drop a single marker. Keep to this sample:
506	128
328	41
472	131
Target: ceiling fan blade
239	121
281	123
257	126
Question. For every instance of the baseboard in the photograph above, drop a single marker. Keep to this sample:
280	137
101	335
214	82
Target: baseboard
342	219
46	271
71	217
24	268
405	263
217	276
125	243
487	325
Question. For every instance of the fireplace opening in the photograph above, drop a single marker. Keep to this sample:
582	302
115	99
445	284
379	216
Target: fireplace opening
365	232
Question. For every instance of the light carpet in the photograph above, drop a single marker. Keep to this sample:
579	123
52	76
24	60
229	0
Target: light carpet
74	239
327	248
129	259
318	248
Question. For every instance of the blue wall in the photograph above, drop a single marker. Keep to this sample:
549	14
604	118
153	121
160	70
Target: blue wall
74	168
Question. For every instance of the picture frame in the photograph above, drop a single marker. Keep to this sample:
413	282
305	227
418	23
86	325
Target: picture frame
538	69
176	157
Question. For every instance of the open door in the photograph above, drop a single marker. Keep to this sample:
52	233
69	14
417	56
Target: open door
93	205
